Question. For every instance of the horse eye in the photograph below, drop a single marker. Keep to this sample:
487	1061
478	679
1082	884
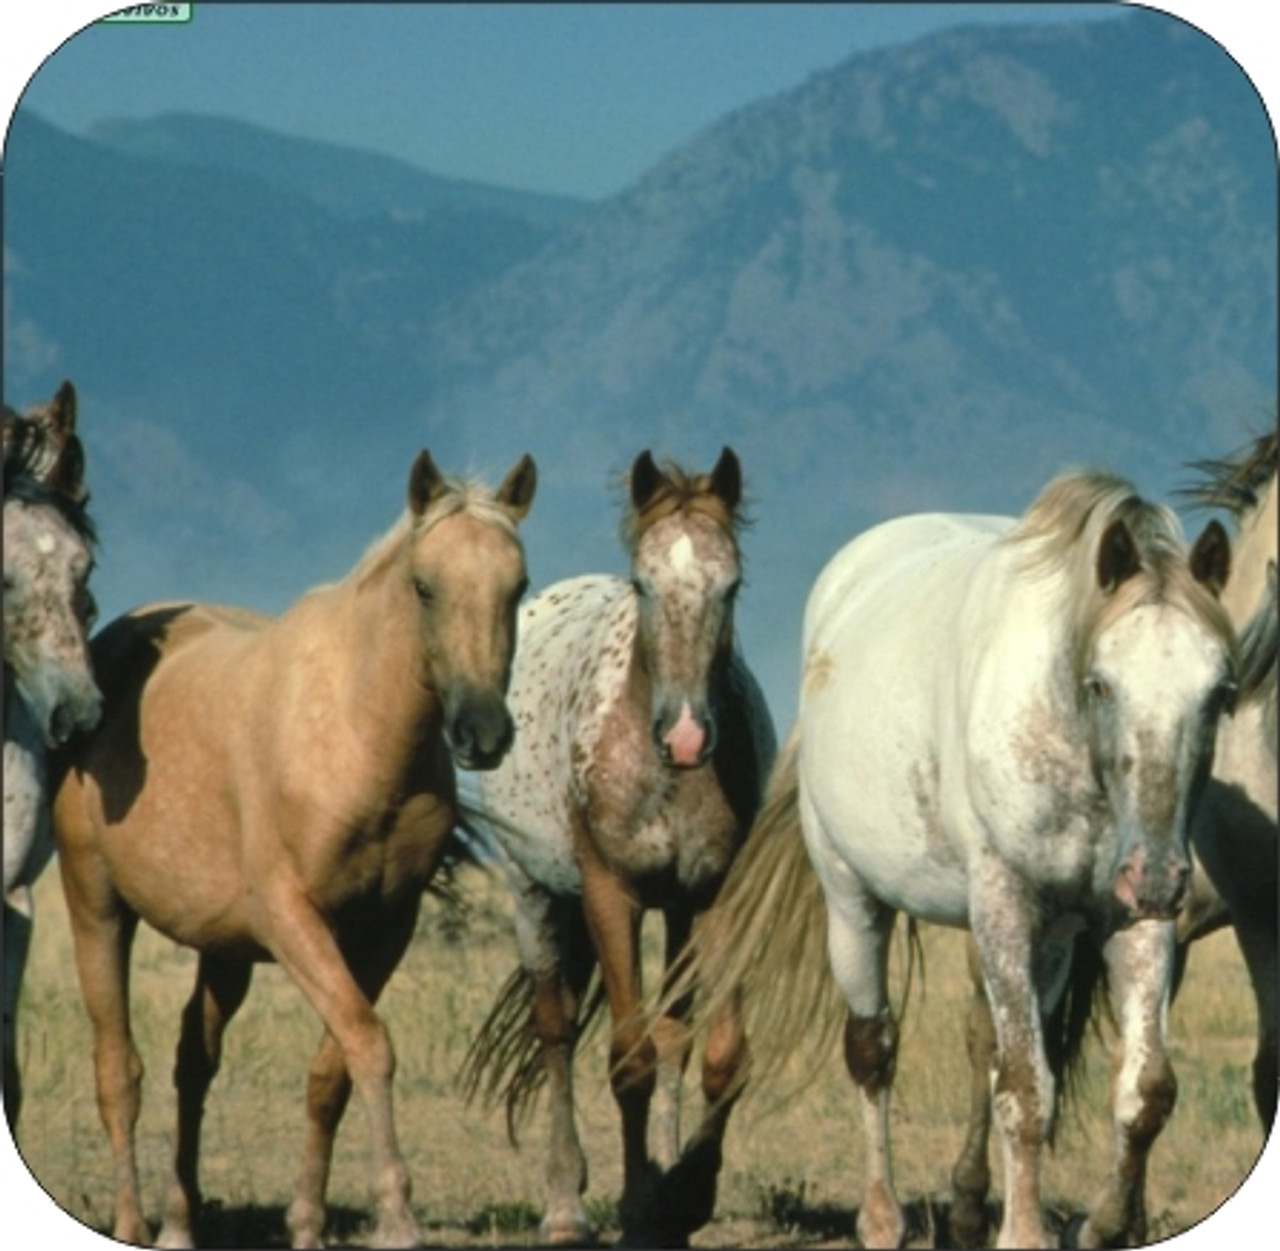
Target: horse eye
424	593
639	588
1224	698
1097	689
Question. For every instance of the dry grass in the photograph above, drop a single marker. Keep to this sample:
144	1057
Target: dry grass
791	1176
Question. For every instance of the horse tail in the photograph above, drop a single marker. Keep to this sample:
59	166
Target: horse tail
504	1061
764	942
1077	1014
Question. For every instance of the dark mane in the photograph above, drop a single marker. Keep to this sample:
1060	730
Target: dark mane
1233	483
24	456
680	492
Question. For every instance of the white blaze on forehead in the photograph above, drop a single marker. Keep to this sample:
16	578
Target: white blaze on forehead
681	554
45	543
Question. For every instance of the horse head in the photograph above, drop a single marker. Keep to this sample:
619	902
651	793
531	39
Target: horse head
685	573
48	556
1161	670
467	577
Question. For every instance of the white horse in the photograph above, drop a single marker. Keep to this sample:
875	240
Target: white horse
1233	838
1002	725
49	689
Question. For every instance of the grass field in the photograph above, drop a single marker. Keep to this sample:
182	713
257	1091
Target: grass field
791	1177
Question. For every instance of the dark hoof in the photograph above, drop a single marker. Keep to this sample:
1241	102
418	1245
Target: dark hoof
967	1225
1072	1230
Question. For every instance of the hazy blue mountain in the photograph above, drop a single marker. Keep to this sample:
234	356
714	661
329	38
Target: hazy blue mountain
930	277
343	179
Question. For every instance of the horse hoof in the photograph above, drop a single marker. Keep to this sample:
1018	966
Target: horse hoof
1073	1232
175	1240
566	1232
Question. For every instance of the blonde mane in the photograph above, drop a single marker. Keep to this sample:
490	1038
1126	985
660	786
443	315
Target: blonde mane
473	498
1059	537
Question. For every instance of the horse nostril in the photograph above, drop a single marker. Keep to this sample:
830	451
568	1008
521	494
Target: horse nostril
480	738
61	725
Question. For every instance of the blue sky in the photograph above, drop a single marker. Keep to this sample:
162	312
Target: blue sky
579	99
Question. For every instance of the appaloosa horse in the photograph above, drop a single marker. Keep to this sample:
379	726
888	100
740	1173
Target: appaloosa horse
643	743
1003	725
284	789
49	691
1233	838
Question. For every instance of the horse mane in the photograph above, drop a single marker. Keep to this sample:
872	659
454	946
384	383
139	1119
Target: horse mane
680	492
1234	482
474	498
1059	535
27	462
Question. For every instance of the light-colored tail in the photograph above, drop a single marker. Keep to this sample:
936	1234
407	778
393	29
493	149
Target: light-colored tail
765	938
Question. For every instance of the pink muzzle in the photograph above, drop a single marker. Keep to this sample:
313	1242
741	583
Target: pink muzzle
685	740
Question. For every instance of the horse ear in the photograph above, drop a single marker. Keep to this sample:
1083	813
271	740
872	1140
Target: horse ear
426	483
516	492
646	477
726	478
63	411
1117	556
67	474
1211	558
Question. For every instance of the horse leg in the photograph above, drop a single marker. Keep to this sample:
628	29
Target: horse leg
688	1185
329	1081
613	921
858	942
1144	1089
307	949
103	931
672	1051
971	1176
1258	946
556	953
17	946
1003	918
219	991
858	931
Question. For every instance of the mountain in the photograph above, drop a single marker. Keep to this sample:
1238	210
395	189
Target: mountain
929	277
346	180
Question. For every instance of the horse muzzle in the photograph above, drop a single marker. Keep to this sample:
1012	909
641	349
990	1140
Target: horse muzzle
685	741
1153	886
479	734
81	711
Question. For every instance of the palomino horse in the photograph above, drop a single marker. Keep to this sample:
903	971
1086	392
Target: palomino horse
642	749
282	789
1002	725
49	691
1235	833
1233	838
